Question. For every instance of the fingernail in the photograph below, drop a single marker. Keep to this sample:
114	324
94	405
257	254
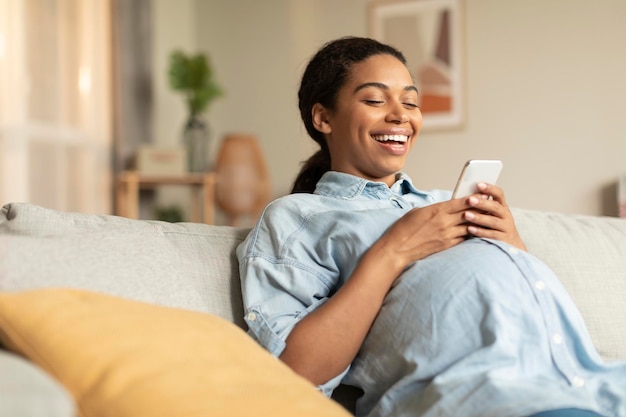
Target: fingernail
472	229
469	215
481	186
473	200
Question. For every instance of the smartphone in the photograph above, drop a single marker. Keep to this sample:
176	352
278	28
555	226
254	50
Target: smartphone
475	171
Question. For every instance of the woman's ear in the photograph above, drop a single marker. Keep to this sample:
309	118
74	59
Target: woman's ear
320	118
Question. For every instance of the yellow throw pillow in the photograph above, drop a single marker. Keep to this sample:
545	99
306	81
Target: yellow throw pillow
123	358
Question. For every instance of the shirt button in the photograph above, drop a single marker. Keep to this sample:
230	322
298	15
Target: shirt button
540	285
251	316
578	382
557	338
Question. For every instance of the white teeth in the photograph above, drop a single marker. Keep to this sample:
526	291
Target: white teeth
393	138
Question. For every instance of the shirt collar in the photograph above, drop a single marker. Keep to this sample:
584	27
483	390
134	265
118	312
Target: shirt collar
341	185
404	185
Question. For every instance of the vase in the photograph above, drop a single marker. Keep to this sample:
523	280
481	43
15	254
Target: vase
196	138
243	185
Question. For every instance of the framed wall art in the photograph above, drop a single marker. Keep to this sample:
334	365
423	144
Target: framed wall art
429	33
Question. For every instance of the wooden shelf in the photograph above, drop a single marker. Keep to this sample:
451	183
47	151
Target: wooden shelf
203	196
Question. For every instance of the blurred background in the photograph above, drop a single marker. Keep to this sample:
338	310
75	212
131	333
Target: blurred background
84	85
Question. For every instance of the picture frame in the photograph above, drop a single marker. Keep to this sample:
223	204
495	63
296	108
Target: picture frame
429	34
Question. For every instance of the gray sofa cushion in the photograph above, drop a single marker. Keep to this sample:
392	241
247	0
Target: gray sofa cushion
186	265
27	391
194	265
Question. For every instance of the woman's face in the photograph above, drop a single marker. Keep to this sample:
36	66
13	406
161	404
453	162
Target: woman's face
376	120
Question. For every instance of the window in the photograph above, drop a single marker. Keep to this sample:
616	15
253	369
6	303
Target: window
55	104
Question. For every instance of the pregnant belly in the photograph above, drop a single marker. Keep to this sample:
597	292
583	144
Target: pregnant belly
465	304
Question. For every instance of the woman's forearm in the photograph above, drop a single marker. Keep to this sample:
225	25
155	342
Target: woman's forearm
326	341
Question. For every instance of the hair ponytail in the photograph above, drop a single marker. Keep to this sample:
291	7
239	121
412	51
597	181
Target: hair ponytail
311	172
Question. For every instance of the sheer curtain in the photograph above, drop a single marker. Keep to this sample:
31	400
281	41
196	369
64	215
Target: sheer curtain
55	104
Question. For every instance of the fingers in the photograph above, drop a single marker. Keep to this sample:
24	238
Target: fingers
490	216
457	205
509	235
483	220
491	200
486	206
427	230
496	193
485	233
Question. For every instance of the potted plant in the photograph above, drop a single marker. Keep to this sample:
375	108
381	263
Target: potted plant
192	75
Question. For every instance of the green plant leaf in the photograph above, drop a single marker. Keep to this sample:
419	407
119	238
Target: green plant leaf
193	77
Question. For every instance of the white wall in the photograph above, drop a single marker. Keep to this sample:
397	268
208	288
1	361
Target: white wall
545	90
173	28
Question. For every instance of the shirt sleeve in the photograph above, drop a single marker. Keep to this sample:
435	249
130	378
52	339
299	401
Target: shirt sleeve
277	294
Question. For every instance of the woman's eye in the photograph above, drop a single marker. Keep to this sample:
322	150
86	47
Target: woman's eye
411	105
374	102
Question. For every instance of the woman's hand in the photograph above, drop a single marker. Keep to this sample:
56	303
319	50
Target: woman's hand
491	217
424	231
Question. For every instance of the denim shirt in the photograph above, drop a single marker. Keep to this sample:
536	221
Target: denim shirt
481	329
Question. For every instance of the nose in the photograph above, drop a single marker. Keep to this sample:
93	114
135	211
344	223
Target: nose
397	114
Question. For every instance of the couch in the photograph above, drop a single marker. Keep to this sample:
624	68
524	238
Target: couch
106	316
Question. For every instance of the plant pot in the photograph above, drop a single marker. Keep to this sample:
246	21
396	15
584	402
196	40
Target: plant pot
196	138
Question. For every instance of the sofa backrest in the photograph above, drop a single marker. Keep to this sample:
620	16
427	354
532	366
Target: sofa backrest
185	265
588	254
193	266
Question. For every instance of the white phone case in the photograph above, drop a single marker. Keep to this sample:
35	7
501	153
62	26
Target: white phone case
475	171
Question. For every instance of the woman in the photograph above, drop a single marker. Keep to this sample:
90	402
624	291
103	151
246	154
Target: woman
359	277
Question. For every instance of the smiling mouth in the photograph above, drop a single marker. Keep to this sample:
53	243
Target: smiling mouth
391	138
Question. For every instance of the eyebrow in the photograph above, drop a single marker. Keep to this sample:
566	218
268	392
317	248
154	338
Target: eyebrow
383	87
